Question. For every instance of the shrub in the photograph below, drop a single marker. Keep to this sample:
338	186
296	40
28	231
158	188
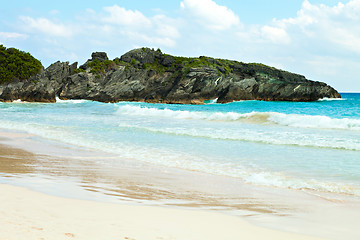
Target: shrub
79	70
133	61
16	64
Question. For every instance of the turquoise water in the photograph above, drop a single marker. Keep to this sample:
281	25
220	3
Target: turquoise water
313	146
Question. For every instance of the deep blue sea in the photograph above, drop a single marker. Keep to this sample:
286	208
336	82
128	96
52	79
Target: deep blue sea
296	145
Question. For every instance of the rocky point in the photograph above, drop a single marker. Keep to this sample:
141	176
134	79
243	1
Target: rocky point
148	75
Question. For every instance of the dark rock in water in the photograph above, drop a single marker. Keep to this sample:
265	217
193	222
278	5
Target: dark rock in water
151	76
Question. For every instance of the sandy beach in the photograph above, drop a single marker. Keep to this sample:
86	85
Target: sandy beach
59	194
26	214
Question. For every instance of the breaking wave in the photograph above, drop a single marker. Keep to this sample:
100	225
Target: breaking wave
58	100
290	120
331	99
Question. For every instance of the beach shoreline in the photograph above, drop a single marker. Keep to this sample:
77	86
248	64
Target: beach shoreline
27	214
41	166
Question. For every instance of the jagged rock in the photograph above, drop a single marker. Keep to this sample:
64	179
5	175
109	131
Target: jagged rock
151	76
42	87
142	55
100	56
167	60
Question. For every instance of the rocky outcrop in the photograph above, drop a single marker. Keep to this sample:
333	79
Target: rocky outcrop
42	87
95	56
151	76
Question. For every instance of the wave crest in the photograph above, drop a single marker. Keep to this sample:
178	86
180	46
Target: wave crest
330	99
282	119
58	100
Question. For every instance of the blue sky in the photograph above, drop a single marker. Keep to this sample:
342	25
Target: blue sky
319	39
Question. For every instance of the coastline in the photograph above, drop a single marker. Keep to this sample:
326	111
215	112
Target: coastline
66	178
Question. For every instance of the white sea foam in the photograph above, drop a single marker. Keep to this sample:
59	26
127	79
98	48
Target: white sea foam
291	120
331	99
266	137
308	121
181	114
212	101
58	100
20	101
154	112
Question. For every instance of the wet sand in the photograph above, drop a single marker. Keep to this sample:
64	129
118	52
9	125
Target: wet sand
79	176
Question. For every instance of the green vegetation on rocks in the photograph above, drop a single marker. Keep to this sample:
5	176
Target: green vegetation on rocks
16	64
100	67
157	61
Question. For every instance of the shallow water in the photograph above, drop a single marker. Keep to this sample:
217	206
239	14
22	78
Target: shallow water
313	146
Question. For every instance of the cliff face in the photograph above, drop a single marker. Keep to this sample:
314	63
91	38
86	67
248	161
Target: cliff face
151	76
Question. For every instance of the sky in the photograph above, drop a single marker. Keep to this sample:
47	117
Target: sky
319	39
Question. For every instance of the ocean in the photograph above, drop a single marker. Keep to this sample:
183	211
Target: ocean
307	146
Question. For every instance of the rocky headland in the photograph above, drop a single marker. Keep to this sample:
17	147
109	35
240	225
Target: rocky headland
148	75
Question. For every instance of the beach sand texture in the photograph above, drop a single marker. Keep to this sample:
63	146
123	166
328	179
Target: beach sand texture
25	214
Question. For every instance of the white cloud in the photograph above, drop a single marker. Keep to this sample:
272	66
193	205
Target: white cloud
151	40
54	12
12	35
166	26
121	16
332	25
353	10
104	28
322	40
210	14
46	26
6	36
275	35
157	30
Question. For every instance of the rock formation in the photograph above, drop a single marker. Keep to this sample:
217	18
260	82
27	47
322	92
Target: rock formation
151	76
